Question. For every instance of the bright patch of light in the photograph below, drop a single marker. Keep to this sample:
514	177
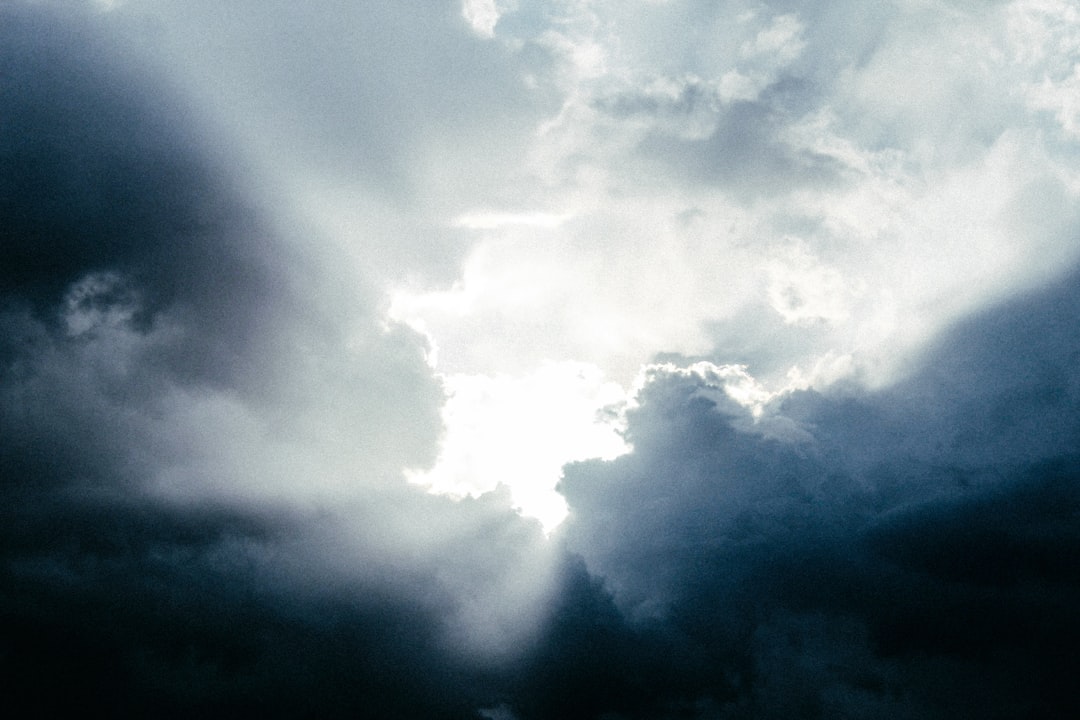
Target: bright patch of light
482	15
519	431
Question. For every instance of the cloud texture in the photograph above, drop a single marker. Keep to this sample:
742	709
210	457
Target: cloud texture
809	267
909	553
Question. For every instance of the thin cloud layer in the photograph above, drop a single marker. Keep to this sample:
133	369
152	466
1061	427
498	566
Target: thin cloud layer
793	285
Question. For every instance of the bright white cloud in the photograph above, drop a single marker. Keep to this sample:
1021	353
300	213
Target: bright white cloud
812	189
803	290
921	222
482	15
924	221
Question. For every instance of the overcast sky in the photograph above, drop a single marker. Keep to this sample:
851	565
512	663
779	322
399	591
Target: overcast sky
540	359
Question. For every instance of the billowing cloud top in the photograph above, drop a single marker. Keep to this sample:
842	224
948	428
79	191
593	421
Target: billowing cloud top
523	360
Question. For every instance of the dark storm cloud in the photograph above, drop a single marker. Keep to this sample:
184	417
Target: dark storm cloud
137	609
910	553
149	309
102	176
135	262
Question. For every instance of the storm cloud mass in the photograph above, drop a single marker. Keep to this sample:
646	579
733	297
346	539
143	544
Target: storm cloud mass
303	306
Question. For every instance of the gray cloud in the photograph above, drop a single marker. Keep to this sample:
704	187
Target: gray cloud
205	417
909	552
744	155
204	430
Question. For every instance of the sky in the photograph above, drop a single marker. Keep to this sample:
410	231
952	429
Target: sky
540	359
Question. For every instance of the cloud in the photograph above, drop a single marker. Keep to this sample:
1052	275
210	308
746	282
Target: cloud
262	263
518	432
682	202
206	427
142	289
909	551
